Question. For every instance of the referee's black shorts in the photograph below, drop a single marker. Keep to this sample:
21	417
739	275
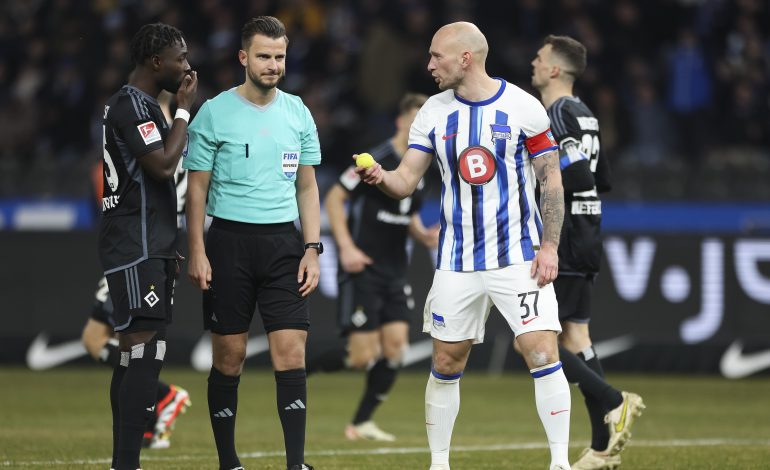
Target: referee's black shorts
574	295
254	265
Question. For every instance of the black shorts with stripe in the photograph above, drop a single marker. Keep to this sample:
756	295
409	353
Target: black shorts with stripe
368	300
254	266
143	291
574	294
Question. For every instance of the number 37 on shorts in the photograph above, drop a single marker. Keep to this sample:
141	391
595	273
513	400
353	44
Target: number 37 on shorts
459	303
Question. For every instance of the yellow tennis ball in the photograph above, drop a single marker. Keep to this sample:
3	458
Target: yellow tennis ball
364	160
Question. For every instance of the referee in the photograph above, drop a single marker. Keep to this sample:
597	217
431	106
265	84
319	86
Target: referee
251	156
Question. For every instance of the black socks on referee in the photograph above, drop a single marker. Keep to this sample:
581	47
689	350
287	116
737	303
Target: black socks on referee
379	380
223	404
136	397
291	398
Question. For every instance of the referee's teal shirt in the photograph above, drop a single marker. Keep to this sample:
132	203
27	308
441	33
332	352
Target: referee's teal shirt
253	154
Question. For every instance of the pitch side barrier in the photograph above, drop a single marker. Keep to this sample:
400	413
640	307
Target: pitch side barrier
673	298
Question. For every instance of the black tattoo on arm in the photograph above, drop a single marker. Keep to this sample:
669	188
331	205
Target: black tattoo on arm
551	196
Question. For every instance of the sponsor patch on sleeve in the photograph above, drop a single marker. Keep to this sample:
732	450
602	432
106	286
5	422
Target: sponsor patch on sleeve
540	143
149	132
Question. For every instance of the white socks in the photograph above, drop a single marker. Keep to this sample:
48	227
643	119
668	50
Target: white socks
442	403
552	397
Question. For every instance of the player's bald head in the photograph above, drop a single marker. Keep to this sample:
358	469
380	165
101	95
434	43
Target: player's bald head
463	37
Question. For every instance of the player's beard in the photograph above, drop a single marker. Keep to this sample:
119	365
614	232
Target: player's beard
258	82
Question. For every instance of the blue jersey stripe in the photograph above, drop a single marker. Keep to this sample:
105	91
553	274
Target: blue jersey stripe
477	196
456	259
441	215
503	234
526	242
420	147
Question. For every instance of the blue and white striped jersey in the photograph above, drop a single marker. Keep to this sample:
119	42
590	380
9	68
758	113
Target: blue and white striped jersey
488	214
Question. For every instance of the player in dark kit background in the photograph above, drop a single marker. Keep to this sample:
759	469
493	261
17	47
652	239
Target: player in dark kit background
137	238
374	301
585	174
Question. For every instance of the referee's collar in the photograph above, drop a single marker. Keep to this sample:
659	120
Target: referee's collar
265	107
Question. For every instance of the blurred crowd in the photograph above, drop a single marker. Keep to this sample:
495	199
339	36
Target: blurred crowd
681	87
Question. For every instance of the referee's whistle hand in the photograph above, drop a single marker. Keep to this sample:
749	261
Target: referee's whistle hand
199	271
309	273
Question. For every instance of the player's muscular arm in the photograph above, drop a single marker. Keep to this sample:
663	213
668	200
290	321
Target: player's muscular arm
353	260
402	181
198	268
552	196
545	266
161	163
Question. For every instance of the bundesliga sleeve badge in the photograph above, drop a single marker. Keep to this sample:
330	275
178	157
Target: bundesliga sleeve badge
149	132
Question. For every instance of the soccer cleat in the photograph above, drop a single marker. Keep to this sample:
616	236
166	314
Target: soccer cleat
175	402
559	467
592	460
620	421
304	466
439	467
367	430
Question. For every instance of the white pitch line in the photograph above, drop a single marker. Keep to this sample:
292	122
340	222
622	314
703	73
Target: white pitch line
403	450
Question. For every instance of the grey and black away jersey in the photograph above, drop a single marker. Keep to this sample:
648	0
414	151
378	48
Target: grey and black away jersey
139	213
378	223
585	174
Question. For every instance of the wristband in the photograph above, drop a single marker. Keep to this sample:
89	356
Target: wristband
182	114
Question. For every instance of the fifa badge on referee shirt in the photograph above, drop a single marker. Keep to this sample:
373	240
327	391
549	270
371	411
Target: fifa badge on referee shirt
290	163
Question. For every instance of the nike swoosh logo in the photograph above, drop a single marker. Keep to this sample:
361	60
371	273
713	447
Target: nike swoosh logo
736	365
554	413
447	137
201	357
41	356
622	423
526	322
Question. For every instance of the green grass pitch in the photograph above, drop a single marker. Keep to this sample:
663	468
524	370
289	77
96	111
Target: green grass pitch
60	419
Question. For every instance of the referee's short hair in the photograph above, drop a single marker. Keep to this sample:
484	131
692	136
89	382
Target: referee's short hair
571	51
269	26
151	39
411	101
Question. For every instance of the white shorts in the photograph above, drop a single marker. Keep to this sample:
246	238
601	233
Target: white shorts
458	303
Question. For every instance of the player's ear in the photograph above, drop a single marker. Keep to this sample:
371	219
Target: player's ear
155	61
555	71
466	59
242	57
